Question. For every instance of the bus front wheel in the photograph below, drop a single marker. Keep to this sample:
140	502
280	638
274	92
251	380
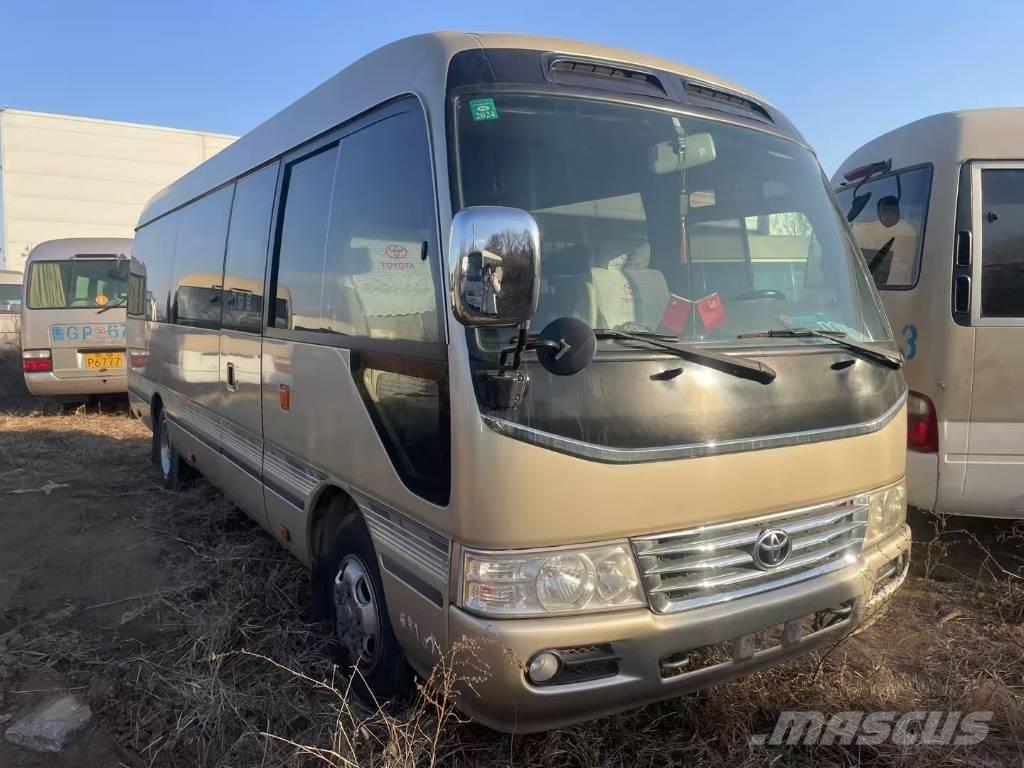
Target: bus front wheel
168	461
359	614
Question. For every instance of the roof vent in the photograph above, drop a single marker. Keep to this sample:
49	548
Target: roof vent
603	74
706	93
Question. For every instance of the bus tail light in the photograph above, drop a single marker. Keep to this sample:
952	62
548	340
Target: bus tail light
36	361
137	358
922	424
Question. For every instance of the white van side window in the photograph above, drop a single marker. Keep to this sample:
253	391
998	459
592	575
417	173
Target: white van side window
888	216
1002	258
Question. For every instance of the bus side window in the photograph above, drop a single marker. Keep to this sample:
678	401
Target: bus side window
246	259
308	184
154	250
199	260
379	274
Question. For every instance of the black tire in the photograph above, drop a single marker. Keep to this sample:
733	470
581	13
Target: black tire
169	463
348	573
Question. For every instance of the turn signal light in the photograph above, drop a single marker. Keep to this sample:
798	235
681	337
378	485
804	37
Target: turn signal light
922	424
36	361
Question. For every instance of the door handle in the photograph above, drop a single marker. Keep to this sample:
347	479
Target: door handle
231	377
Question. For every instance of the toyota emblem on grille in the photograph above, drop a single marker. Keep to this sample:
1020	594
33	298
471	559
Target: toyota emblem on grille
771	549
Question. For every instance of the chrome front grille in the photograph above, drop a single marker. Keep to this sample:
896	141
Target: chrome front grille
716	563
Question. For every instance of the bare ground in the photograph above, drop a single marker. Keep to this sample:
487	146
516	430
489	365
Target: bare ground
172	613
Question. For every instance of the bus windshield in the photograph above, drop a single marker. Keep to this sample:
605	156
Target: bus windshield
658	222
78	284
10	298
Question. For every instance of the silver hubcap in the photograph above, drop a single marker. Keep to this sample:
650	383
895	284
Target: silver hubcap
165	451
356	620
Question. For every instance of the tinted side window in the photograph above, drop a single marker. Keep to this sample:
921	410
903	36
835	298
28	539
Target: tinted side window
136	305
246	258
1002	243
308	184
888	218
378	279
199	260
154	251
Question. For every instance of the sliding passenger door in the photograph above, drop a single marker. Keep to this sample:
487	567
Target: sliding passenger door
355	376
240	365
995	460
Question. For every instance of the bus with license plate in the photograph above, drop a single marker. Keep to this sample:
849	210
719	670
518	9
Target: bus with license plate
73	317
560	350
937	208
10	308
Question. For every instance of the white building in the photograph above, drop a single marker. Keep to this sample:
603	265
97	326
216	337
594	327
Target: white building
65	176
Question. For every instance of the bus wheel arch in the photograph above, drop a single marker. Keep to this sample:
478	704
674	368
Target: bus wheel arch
330	507
348	591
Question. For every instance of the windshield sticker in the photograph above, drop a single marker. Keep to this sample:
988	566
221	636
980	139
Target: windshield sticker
818	321
483	109
71	335
101	300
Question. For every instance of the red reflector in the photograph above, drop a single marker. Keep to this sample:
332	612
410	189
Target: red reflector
922	424
37	364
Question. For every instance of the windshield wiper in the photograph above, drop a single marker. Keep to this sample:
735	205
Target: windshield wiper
742	367
118	303
836	336
879	255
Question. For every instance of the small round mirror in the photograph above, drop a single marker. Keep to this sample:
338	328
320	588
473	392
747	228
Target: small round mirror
857	205
576	342
889	211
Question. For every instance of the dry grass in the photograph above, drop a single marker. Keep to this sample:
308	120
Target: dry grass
234	673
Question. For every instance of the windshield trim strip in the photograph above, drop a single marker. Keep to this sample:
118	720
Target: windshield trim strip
610	455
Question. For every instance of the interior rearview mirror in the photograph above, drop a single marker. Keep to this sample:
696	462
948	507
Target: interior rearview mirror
495	266
888	211
666	157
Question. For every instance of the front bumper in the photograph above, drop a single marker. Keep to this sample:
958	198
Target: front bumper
646	644
51	385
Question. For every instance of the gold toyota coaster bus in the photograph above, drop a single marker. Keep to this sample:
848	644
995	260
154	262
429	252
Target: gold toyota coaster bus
73	317
561	349
937	207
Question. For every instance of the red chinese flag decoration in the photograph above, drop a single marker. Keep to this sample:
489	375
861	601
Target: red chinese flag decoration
676	314
712	312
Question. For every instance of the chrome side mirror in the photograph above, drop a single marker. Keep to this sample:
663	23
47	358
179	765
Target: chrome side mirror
495	266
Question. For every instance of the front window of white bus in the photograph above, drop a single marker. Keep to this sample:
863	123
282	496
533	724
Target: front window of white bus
82	283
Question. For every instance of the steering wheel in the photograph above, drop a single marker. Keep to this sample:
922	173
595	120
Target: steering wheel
767	293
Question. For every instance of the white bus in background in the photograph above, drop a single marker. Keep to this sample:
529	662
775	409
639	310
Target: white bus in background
73	317
937	207
10	308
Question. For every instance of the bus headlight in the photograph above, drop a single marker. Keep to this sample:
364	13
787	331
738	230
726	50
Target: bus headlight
887	508
540	583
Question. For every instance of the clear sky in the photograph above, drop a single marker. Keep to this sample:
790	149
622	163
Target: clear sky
843	71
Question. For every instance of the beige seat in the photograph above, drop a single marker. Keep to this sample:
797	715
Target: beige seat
627	292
